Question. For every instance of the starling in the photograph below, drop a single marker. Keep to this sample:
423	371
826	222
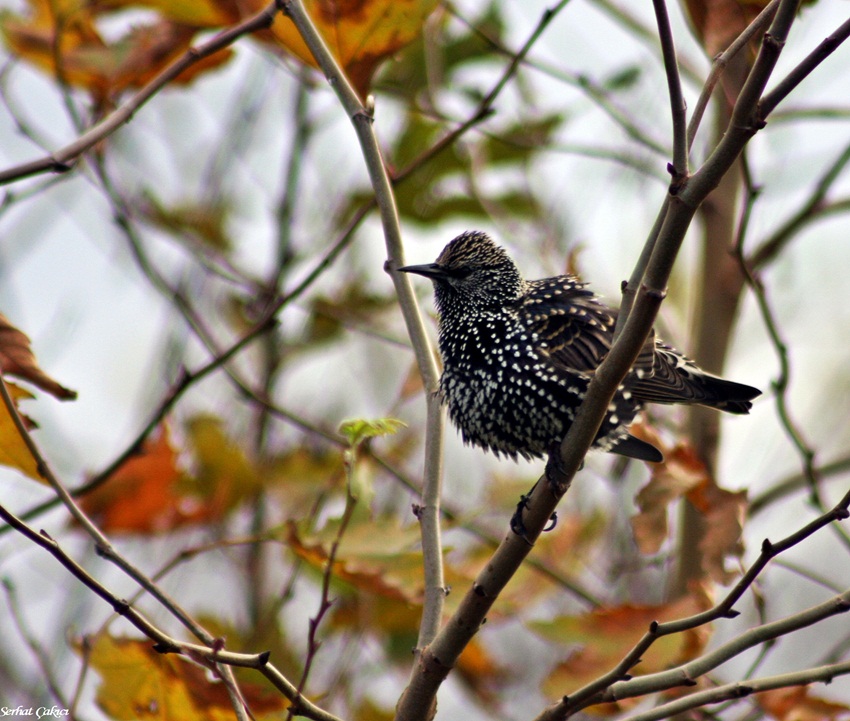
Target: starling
519	354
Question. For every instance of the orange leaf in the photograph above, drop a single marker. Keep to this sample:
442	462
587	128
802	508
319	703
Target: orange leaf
795	704
480	672
13	451
16	358
605	635
360	33
144	494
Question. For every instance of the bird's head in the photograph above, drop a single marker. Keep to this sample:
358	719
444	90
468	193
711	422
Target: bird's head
472	269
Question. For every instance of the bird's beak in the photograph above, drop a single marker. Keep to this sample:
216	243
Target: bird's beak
429	270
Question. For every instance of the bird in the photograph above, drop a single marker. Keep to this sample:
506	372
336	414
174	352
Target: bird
518	356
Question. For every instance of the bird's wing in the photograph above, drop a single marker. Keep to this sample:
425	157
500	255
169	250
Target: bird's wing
575	326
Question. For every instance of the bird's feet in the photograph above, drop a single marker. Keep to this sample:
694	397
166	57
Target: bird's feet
556	475
518	525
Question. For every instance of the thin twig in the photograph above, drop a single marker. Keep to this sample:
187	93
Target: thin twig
678	109
63	160
804	69
814	207
38	650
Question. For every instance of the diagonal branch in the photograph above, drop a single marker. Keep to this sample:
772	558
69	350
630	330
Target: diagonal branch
209	655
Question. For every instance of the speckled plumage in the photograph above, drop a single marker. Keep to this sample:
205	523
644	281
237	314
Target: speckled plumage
518	356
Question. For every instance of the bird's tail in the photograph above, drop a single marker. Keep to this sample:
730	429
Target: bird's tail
726	395
677	379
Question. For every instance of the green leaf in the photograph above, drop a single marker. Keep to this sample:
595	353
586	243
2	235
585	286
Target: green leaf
519	142
358	430
623	79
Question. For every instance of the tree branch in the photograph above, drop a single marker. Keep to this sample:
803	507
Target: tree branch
678	107
362	118
734	691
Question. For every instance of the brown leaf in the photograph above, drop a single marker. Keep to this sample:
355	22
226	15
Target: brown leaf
716	23
680	472
683	475
724	513
17	359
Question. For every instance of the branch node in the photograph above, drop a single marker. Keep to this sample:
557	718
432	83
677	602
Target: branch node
654	293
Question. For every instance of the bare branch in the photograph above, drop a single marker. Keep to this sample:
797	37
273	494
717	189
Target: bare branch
804	69
678	107
730	691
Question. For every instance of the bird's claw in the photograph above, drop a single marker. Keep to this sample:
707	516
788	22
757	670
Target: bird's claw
517	524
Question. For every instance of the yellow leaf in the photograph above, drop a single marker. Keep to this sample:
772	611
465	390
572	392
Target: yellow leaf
139	684
13	451
223	472
197	13
373	556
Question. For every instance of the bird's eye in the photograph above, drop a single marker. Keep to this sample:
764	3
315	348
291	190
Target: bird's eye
461	272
